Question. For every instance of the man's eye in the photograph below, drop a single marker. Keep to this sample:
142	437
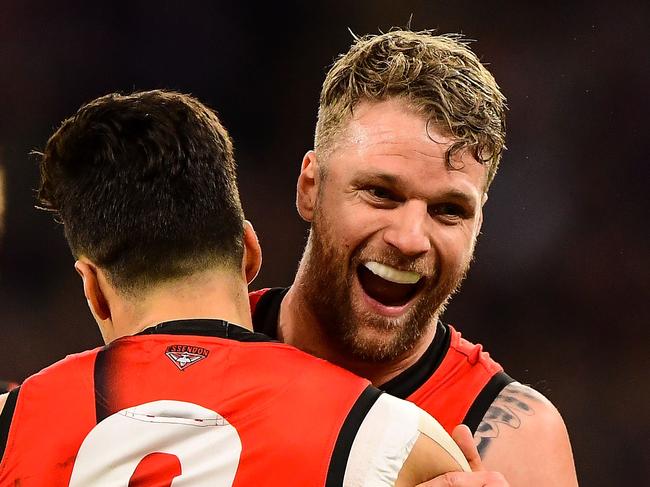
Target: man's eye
449	210
380	193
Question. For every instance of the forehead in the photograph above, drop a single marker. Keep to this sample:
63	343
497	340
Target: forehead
391	137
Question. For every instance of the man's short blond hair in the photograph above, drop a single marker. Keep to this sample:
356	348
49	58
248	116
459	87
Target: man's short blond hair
437	75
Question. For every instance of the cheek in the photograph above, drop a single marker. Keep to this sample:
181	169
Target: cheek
350	226
454	246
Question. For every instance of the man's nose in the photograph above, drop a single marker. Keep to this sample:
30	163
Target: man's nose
408	230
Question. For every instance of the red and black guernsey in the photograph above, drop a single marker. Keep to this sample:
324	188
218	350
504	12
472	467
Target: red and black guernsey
455	381
295	416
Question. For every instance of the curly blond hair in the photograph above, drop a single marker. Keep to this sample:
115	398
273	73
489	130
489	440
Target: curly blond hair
437	75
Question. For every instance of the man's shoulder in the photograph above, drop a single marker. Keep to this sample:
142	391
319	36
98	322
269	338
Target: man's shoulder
265	309
473	353
517	407
255	296
265	293
452	361
289	361
75	364
454	380
520	426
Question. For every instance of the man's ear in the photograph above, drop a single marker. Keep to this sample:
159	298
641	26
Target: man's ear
307	188
252	253
92	289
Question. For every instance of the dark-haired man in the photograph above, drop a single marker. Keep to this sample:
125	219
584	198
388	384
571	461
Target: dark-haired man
410	131
184	390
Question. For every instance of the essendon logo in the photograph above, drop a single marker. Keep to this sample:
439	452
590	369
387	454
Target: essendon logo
185	355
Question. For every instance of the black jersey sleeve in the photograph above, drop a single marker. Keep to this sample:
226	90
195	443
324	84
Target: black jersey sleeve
485	399
351	425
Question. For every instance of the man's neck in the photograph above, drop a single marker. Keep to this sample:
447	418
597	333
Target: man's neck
206	297
299	326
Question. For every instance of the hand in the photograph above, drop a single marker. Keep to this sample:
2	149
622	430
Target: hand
478	477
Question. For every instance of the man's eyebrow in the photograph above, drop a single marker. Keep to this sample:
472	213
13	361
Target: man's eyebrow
376	178
455	194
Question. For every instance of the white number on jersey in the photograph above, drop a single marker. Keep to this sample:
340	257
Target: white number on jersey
205	446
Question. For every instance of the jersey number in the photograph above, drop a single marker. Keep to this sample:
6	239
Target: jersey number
158	443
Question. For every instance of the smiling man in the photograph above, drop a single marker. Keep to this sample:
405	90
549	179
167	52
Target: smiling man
410	132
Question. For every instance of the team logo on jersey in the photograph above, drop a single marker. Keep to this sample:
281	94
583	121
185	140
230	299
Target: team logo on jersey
185	355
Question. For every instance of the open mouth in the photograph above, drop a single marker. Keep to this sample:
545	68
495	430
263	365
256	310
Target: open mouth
387	285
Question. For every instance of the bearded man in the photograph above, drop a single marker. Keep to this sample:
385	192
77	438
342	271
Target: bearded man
410	132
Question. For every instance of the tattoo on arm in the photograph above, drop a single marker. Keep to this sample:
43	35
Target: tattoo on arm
508	408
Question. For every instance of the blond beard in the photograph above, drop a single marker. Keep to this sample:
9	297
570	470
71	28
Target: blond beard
360	334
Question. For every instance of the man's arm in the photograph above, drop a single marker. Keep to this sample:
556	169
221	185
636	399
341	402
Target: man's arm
523	436
478	477
419	466
433	454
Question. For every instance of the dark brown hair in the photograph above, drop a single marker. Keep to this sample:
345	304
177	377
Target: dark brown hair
145	186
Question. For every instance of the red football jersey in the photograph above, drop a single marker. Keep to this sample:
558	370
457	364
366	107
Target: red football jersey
466	378
455	381
203	399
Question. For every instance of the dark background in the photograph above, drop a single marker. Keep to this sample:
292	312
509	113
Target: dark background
558	293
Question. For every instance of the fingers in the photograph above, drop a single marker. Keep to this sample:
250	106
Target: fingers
463	438
468	479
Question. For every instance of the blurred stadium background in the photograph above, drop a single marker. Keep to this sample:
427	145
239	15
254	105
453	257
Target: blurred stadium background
559	291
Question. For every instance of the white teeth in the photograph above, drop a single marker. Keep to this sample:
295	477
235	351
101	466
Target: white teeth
391	274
